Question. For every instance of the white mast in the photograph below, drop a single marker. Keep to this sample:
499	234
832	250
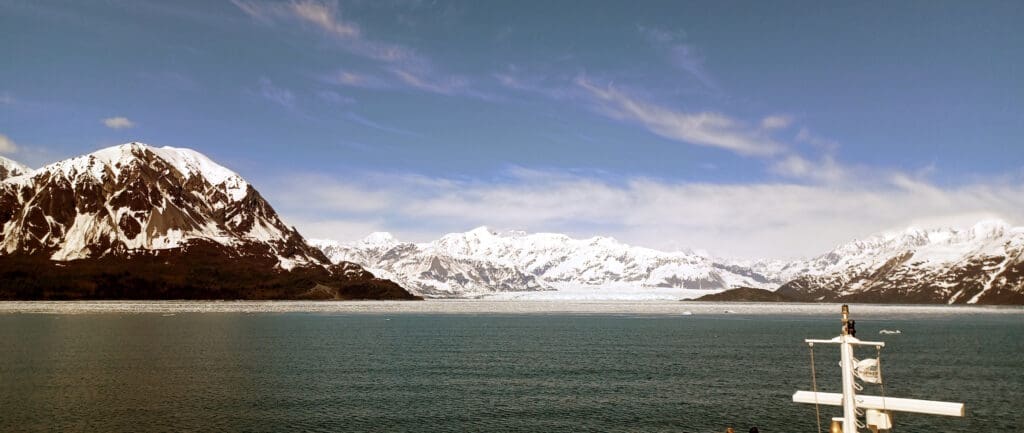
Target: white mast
877	408
846	361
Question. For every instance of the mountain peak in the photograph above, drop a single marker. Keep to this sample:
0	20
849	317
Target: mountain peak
115	159
481	231
379	238
134	197
990	228
11	168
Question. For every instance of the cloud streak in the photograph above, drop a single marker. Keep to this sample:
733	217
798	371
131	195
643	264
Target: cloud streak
702	128
401	67
275	94
323	16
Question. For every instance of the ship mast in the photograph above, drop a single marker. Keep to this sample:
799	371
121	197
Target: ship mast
878	409
846	354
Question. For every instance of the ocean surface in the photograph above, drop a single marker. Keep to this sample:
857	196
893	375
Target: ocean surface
504	367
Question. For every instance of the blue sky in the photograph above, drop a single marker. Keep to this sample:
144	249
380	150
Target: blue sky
741	128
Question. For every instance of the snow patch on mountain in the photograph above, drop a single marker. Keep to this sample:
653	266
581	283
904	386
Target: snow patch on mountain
482	262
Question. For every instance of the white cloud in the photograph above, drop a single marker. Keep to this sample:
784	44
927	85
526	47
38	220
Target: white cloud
118	122
7	145
704	129
752	220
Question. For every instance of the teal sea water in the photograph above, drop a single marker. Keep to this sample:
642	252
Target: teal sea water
484	372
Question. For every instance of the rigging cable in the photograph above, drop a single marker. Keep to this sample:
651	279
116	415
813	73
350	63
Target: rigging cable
814	387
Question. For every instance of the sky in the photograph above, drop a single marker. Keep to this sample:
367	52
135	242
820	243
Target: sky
744	129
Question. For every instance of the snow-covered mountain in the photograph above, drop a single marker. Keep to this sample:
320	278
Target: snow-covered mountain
9	168
136	201
979	264
136	197
482	262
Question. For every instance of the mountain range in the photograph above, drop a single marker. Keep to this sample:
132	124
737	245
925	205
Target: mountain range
141	222
136	221
481	262
979	264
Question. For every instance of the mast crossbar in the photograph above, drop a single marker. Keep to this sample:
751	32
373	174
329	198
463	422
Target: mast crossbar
849	340
928	407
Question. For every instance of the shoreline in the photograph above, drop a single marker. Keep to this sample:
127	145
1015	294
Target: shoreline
513	307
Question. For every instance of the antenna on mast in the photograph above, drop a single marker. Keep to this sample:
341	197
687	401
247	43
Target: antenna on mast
877	410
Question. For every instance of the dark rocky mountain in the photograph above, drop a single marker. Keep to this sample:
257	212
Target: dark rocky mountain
746	294
139	222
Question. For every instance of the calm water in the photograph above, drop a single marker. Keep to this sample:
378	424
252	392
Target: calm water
486	372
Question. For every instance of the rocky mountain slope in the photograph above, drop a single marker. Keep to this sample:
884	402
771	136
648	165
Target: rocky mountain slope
481	262
980	264
138	221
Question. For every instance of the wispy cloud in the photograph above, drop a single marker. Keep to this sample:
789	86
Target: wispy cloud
687	58
357	118
335	98
278	95
821	143
702	128
355	79
324	16
7	145
450	85
776	122
514	78
401	66
118	122
761	219
681	55
6	99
